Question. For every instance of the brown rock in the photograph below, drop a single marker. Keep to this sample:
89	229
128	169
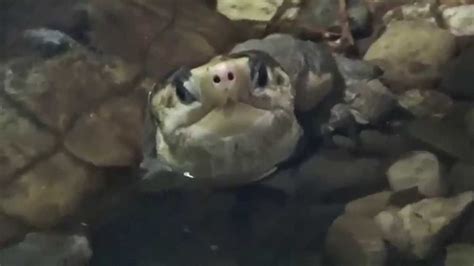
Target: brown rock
369	206
111	135
49	191
355	241
61	88
21	141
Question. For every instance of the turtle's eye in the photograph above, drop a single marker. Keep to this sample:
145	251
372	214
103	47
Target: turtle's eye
183	93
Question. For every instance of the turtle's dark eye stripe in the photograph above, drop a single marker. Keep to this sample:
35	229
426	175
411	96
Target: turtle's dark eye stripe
262	76
183	93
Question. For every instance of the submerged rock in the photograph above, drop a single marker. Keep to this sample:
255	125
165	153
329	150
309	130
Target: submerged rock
425	103
371	205
461	177
458	77
412	53
460	255
459	19
375	142
418	169
419	229
47	249
354	240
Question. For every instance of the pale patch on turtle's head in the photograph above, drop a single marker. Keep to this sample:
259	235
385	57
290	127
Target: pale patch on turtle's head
231	117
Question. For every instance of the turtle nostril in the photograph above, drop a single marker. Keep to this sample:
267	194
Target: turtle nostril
230	76
216	79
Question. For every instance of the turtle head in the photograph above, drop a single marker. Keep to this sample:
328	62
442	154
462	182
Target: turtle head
230	120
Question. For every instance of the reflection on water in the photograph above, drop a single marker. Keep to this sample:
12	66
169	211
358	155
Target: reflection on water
383	174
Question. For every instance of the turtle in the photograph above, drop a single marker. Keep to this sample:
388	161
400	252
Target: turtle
241	116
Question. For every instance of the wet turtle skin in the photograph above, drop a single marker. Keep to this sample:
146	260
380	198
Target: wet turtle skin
237	118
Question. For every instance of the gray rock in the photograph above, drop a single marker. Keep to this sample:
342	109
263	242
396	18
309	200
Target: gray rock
460	255
354	70
47	249
369	101
371	205
419	169
328	172
458	77
425	103
459	19
354	240
421	228
48	42
373	141
412	53
461	177
443	136
340	117
469	121
310	65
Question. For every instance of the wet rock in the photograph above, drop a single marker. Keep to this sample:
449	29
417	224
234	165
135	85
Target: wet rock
469	121
10	230
111	134
46	249
422	10
49	191
329	172
354	70
443	136
425	103
411	53
369	206
459	19
340	117
344	142
355	240
61	88
458	77
21	141
48	42
421	228
375	142
418	169
369	101
311	66
461	177
460	255
261	10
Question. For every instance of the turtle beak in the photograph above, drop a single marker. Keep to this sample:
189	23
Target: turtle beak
227	81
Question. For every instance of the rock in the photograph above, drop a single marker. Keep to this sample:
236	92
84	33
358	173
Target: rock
418	169
458	76
21	141
311	66
461	178
425	103
421	228
48	42
422	10
340	117
260	10
469	121
369	206
47	249
49	191
450	3
10	230
375	142
111	134
369	101
344	142
460	255
354	70
459	19
411	53
327	173
355	241
442	136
